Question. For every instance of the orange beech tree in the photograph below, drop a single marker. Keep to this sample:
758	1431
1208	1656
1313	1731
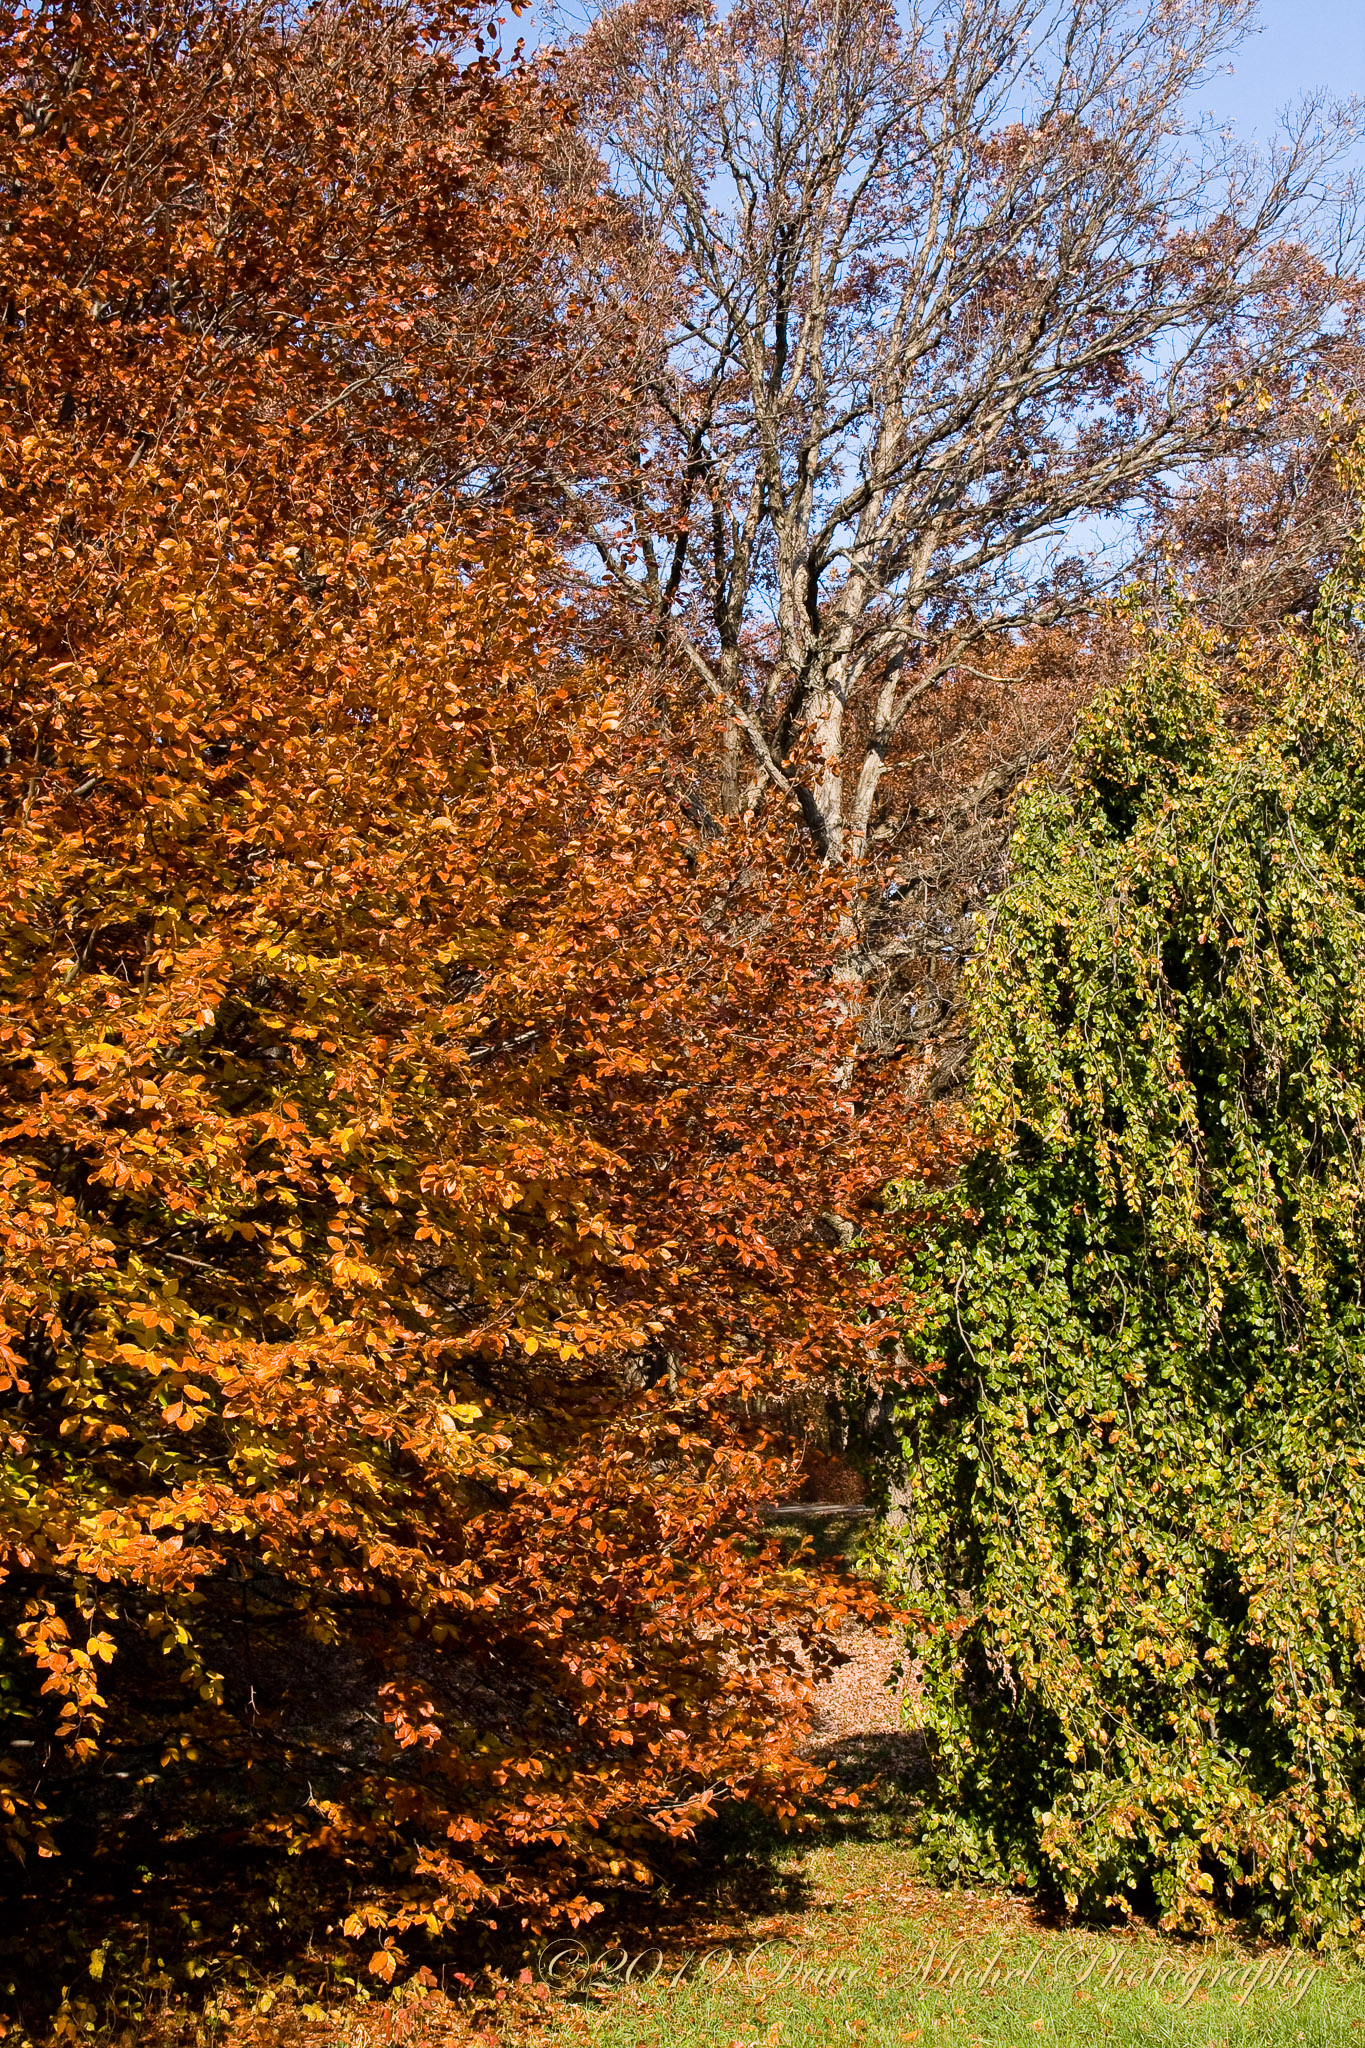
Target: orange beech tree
393	1093
415	1105
304	253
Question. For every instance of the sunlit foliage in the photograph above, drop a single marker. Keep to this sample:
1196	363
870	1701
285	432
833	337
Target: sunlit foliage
1137	1528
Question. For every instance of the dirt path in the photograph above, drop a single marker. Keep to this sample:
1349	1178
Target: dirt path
861	1734
860	1698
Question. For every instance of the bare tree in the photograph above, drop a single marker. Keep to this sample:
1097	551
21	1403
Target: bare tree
935	298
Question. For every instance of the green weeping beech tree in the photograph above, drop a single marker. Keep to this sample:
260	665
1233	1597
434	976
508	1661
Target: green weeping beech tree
1136	1522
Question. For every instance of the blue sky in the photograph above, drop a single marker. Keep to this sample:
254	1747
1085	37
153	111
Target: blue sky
1302	45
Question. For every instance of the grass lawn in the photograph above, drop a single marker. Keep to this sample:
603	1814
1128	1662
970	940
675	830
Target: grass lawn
875	1957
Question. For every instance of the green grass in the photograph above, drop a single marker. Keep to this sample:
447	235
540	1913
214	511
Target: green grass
877	1959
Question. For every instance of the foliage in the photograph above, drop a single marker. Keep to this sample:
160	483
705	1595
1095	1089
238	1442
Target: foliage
303	260
1137	1516
415	1106
1256	532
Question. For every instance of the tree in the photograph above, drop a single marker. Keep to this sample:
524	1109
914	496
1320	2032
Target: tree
382	1091
1137	1521
942	846
324	254
416	1106
929	298
1256	531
